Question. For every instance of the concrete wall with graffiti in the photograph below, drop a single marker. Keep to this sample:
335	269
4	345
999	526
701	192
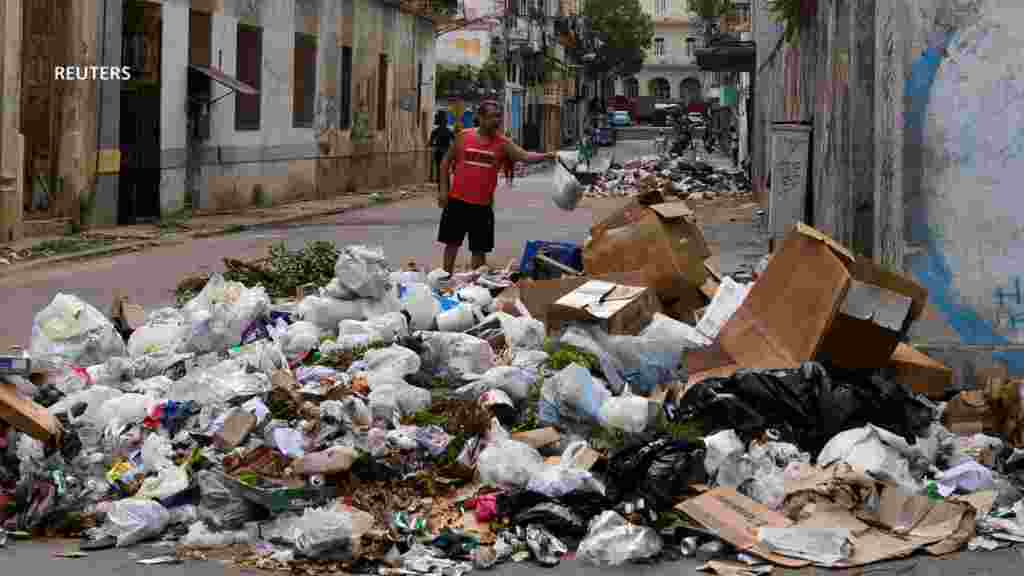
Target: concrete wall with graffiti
961	164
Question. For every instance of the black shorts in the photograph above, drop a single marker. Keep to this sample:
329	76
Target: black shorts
461	218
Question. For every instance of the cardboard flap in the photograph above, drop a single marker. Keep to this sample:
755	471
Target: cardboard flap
783	320
875	304
865	270
736	518
672	210
600	299
840	250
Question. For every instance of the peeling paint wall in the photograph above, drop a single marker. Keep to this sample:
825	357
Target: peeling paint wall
281	162
962	166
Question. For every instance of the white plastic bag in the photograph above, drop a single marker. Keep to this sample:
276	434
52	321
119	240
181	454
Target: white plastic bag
133	520
720	446
612	541
387	328
460	355
73	329
219	315
164	332
508	463
395	359
335	290
363	271
323	530
220	384
627	413
326	313
299	339
572	397
199	536
126	409
557	481
666	329
567	189
408	399
876	452
421	304
515	382
521	333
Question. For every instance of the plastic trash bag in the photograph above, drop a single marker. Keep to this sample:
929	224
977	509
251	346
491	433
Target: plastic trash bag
515	382
968	477
164	332
396	360
219	507
335	290
457	355
363	271
327	313
530	360
878	453
761	473
127	409
612	541
421	304
321	531
299	340
220	384
73	329
545	547
567	189
805	404
628	413
199	536
521	333
509	463
669	330
219	315
637	362
557	481
659	470
720	446
572	397
131	521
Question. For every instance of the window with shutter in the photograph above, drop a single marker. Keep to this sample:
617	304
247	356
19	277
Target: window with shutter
304	87
249	68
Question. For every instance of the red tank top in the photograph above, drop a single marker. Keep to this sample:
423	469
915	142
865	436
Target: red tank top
476	168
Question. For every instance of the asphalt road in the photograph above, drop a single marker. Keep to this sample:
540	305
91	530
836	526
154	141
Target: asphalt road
406	230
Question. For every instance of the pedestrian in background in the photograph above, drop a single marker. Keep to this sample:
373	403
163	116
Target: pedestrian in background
440	140
469	176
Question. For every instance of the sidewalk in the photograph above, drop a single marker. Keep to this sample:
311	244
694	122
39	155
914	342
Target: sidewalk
31	253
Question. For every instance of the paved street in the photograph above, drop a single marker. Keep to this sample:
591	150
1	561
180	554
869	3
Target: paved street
406	230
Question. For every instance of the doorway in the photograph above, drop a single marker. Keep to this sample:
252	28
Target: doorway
139	181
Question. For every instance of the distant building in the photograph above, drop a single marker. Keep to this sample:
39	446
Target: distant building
670	70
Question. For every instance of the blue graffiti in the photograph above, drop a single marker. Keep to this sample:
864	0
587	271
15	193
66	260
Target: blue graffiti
931	268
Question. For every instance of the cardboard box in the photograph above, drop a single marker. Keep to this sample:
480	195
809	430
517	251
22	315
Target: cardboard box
662	240
617	308
969	413
818	301
27	416
919	372
538	295
130	316
538	438
237	427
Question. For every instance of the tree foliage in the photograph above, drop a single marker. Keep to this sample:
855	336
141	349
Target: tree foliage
625	33
464	79
710	12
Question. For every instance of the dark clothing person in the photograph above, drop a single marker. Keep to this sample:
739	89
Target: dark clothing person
441	139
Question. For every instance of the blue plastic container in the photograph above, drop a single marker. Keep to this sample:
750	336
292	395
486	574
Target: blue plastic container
565	253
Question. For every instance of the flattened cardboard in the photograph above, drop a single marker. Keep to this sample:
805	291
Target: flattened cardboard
618	309
919	372
816	300
27	416
538	438
661	239
736	518
131	315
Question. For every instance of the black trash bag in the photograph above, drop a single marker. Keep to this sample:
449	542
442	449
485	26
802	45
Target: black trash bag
557	518
658	471
586	505
807	405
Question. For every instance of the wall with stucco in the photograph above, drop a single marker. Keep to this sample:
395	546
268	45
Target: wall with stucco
962	124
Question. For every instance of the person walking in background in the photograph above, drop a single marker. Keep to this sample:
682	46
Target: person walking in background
440	140
469	176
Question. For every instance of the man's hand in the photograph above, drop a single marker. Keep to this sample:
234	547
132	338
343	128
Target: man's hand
442	197
551	156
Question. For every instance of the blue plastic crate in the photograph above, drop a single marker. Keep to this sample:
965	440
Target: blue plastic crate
566	253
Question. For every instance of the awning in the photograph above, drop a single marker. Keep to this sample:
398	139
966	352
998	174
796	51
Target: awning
731	57
225	80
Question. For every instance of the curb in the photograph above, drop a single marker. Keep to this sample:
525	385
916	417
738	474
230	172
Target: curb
137	246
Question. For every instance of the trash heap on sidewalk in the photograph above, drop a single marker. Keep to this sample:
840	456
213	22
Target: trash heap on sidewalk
679	176
404	423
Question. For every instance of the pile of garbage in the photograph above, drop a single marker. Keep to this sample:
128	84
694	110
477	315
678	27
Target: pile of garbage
408	423
680	176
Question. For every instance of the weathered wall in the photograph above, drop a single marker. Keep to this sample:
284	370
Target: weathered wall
11	140
963	92
174	19
469	47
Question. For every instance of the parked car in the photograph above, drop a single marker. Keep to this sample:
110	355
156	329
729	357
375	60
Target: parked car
621	118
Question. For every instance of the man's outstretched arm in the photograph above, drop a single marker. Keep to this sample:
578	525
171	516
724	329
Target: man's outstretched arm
446	166
517	154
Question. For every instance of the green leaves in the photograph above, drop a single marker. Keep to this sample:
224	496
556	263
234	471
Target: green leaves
625	31
790	14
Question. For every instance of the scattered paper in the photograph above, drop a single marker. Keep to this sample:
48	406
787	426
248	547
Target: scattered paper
823	546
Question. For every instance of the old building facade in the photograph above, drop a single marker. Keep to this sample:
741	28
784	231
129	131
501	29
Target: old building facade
232	103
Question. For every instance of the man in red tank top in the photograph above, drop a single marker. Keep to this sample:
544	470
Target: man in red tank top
469	176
